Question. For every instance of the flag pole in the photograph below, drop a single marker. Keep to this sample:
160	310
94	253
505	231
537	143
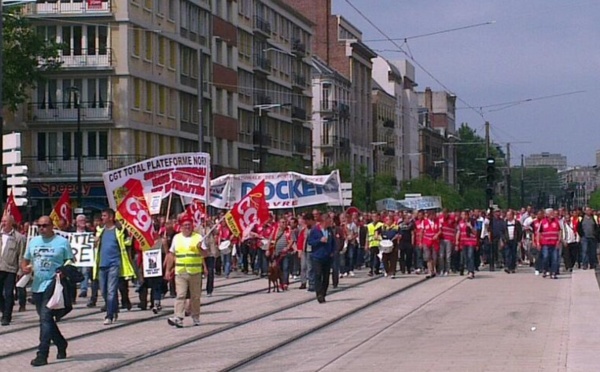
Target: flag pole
169	205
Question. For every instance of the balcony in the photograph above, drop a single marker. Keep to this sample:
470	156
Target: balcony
298	47
261	99
261	25
59	166
329	105
300	147
84	58
262	64
258	138
344	111
389	151
299	81
67	112
69	7
389	124
298	113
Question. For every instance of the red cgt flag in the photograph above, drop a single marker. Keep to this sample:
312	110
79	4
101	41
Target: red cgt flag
197	211
11	209
134	215
252	210
62	209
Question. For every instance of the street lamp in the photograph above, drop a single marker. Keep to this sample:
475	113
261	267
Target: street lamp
78	142
4	3
261	108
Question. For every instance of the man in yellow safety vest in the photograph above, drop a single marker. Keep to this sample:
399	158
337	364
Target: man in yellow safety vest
374	229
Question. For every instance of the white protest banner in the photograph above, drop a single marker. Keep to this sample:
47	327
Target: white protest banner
82	245
282	190
152	263
154	200
422	203
186	174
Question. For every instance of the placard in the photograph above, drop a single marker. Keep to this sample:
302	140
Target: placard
82	245
152	263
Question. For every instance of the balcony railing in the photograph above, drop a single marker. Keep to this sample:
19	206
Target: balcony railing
262	63
344	111
335	141
262	25
261	99
329	105
67	165
389	123
298	113
69	7
65	111
298	47
86	58
299	81
389	151
300	147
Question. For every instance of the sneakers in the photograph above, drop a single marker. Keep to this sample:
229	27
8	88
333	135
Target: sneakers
196	322
471	276
107	321
537	273
175	321
351	273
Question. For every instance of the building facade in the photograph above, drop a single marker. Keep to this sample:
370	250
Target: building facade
385	133
131	73
339	44
546	159
580	183
330	116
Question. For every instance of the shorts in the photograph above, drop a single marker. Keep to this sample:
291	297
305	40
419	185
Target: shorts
429	253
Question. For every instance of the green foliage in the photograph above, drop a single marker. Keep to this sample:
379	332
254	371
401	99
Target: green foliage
595	200
539	185
27	56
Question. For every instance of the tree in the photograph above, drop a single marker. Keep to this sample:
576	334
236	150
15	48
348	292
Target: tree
27	56
595	200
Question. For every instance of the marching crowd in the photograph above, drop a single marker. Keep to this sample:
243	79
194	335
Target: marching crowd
312	247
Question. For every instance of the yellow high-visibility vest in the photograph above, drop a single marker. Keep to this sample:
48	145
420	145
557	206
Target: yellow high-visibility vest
187	254
371	238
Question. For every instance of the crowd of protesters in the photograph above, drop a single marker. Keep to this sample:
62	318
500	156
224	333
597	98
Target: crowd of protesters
314	248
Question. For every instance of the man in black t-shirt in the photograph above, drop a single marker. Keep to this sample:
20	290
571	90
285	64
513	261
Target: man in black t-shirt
406	228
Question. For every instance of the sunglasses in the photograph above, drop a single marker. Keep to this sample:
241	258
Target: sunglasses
44	225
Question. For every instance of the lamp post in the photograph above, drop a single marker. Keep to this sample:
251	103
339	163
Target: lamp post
4	3
261	108
78	143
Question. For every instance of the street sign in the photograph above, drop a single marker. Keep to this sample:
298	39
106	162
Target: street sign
11	141
18	191
16	170
21	202
11	157
17	180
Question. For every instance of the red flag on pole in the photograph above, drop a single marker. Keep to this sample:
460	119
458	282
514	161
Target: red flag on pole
252	210
134	215
11	209
197	211
62	209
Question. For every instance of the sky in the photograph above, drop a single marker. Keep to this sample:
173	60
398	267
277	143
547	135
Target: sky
534	49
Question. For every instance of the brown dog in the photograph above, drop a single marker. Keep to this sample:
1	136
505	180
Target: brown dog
274	276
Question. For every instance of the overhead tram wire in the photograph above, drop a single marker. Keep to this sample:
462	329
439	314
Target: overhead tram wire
417	63
525	100
433	33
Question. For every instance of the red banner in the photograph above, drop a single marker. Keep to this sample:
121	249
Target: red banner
197	211
134	215
252	210
11	209
62	209
94	4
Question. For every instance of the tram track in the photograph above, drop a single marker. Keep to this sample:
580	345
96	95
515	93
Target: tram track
124	324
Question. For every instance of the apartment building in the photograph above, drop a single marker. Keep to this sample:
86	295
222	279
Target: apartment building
385	136
330	116
546	159
132	70
339	44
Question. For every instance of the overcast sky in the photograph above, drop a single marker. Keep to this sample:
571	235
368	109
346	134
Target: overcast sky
536	48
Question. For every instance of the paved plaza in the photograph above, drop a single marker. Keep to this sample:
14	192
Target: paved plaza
497	322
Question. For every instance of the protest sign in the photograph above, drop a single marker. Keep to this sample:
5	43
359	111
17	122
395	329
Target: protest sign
82	245
186	174
152	263
282	190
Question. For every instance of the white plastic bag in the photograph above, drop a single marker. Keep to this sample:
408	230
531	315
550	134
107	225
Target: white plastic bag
22	283
57	301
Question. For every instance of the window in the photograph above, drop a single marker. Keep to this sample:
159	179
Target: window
172	55
97	144
162	100
159	8
219	51
137	93
245	8
229	62
230	104
173	101
136	42
149	98
171	15
161	50
218	100
148	4
229	10
148	45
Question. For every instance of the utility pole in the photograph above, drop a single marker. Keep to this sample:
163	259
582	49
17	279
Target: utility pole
487	139
200	100
508	177
522	180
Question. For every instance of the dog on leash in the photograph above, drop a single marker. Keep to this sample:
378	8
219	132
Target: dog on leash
274	276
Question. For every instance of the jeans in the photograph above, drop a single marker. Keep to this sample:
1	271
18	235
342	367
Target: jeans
510	255
350	258
467	259
7	294
493	256
570	255
210	275
322	270
226	259
419	258
550	261
261	264
49	331
95	287
445	256
374	259
284	265
109	284
406	257
310	271
335	273
588	251
86	278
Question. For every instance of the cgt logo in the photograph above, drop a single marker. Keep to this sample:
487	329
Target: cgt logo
286	190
